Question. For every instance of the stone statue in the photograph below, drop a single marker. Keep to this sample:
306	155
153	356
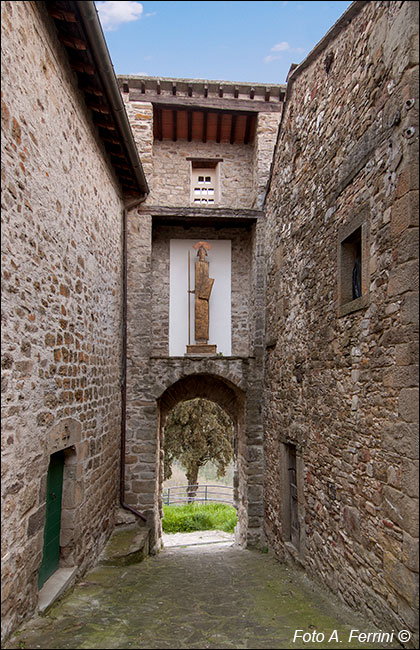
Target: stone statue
202	291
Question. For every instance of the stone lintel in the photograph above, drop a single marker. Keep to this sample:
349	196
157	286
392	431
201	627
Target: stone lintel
189	212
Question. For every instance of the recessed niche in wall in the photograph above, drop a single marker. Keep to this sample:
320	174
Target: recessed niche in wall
353	265
181	303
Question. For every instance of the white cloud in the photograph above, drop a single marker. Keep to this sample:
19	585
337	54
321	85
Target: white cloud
281	47
112	14
284	46
271	57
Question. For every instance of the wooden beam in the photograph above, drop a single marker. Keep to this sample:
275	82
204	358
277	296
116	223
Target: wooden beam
248	129
98	108
219	127
86	68
174	89
107	138
236	92
158	87
91	90
267	94
252	93
120	165
205	127
124	176
104	125
209	103
59	14
189	118
175	126
72	41
204	162
206	90
220	91
116	154
233	129
190	90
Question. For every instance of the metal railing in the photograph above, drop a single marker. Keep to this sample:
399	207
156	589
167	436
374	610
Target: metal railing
180	494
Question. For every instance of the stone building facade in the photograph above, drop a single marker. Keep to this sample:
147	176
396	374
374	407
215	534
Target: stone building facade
341	374
62	207
321	383
179	125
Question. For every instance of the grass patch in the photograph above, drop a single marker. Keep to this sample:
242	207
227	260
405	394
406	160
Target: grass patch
196	516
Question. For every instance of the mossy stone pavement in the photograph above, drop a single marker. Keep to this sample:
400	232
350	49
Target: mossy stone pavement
194	596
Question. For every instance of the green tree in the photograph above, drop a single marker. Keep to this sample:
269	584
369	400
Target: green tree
197	431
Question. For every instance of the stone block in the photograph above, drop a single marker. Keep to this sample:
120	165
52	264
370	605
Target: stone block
406	353
404	213
401	439
144	487
408	180
401	377
408	404
410	478
410	552
351	521
404	581
410	309
36	521
401	509
403	278
410	616
408	247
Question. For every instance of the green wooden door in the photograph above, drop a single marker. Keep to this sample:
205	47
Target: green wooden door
51	551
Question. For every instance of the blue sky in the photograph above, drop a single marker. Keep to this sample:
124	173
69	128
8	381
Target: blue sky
235	41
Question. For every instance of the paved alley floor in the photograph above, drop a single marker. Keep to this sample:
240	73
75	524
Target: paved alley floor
196	596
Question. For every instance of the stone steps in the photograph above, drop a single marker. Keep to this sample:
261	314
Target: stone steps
127	545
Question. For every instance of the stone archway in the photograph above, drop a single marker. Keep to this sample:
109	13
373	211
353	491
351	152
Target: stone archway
153	389
232	399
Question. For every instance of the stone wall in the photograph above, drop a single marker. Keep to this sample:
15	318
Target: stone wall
170	183
265	140
150	372
244	170
61	280
342	374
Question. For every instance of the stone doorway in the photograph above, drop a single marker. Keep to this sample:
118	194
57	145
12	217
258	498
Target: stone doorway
232	400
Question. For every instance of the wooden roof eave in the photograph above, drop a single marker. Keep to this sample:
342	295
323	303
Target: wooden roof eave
81	34
210	104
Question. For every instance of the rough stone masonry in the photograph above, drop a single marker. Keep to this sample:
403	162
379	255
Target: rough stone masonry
341	375
322	385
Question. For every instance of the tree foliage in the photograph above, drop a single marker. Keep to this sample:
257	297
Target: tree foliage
198	431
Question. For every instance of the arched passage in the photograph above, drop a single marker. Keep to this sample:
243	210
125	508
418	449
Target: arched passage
233	400
212	387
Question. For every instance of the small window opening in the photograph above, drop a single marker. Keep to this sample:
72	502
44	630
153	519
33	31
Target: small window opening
205	181
293	496
351	267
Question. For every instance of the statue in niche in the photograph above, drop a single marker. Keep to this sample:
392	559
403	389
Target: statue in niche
202	290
